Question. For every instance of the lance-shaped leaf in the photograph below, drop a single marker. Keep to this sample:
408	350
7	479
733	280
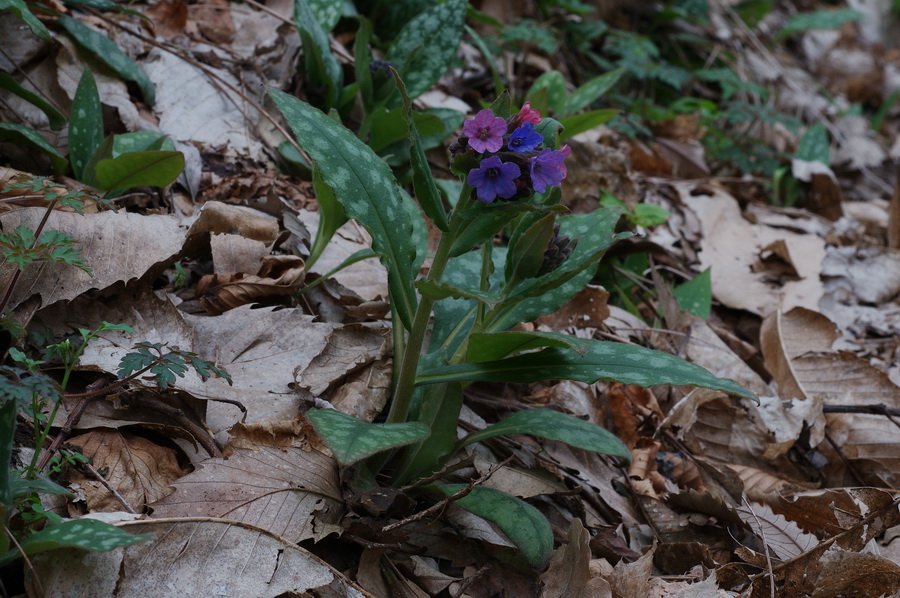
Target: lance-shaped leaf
27	136
56	118
322	68
590	91
442	290
579	123
331	218
522	523
526	250
139	169
20	9
352	440
497	345
629	364
327	12
87	534
110	54
427	44
363	183
439	410
423	182
546	423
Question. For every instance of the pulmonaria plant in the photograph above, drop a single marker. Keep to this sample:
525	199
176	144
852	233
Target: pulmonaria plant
452	326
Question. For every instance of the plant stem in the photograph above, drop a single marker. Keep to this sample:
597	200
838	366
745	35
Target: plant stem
406	378
14	279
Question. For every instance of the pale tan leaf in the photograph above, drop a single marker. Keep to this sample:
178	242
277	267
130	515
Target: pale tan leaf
365	392
234	253
117	246
568	572
859	575
273	479
139	470
628	581
349	348
189	558
786	336
784	538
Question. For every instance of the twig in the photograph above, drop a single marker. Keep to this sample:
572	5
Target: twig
93	471
464	584
442	504
875	409
846	461
71	422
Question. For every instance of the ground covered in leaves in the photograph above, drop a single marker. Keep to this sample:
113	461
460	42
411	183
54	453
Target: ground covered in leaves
791	250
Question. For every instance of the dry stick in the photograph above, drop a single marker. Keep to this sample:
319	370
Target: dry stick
765	544
90	468
876	409
442	504
846	461
71	422
464	584
203	436
36	578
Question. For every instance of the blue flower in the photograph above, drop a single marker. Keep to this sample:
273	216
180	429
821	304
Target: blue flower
525	139
494	177
547	168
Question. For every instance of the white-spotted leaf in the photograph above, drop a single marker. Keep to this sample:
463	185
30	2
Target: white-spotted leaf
352	440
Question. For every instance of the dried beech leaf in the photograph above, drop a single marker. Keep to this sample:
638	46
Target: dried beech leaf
567	572
279	275
273	479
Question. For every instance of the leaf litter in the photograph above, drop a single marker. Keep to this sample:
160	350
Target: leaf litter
724	497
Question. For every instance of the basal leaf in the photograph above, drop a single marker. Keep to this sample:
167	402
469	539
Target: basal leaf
554	85
523	524
56	118
327	12
321	65
30	137
352	440
497	345
427	44
109	53
363	183
554	425
331	218
139	169
20	9
695	296
87	534
629	364
439	411
442	290
86	124
585	95
139	141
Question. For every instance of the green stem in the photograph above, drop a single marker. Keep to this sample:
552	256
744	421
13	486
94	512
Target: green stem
406	379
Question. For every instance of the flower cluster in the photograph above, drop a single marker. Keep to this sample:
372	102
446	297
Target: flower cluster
512	163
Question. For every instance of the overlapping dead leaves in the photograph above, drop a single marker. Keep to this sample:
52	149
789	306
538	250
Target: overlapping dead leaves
792	497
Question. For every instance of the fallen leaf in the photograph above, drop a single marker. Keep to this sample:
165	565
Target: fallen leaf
279	275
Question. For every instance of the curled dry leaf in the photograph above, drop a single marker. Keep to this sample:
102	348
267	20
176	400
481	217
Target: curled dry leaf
568	572
139	469
274	478
199	557
280	275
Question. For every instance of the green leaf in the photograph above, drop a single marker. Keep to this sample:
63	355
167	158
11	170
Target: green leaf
362	55
547	293
555	85
109	53
443	290
524	525
56	118
108	5
423	182
629	364
814	146
21	487
554	425
87	534
30	137
352	440
439	412
327	12
363	183
139	141
526	251
86	124
139	169
427	45
550	129
497	345
390	126
322	68
331	218
20	10
579	123
588	93
695	296
817	19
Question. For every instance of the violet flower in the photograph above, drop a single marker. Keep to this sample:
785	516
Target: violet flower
525	138
547	168
493	177
485	131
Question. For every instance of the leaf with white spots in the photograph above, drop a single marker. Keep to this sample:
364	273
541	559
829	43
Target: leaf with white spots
86	124
352	440
88	534
363	183
427	44
327	12
629	364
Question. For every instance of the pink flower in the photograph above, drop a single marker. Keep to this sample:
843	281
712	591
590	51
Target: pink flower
527	115
485	131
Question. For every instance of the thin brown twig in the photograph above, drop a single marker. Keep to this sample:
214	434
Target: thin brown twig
99	477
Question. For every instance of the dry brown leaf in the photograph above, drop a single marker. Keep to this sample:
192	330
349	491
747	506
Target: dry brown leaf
831	511
628	581
588	308
278	276
856	575
635	412
784	538
273	479
365	392
234	253
190	557
169	17
348	349
117	247
139	470
732	245
567	572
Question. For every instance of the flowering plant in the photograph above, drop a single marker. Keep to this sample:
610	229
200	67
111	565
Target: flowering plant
475	291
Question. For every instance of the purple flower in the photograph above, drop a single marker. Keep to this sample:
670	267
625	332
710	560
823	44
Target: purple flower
525	139
485	131
494	177
547	168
